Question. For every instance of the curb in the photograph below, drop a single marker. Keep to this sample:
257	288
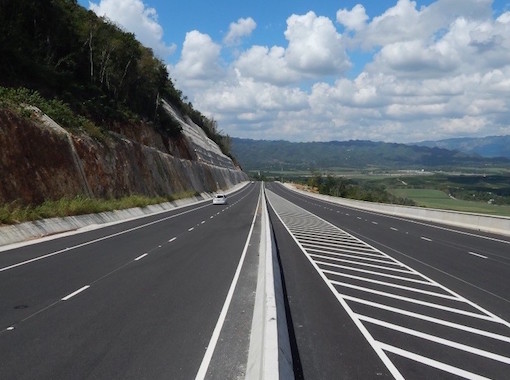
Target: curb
479	222
31	232
269	353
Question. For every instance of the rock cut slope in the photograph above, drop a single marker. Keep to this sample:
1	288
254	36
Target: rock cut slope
40	160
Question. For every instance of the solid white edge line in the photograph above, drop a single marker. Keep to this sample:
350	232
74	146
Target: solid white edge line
75	292
382	355
431	362
202	371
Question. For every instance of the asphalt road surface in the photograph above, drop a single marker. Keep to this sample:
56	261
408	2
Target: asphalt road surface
373	296
135	300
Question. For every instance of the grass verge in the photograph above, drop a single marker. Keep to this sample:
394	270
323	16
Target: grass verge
438	199
15	212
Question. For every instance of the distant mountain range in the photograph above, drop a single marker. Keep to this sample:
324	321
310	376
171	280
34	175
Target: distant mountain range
491	146
284	155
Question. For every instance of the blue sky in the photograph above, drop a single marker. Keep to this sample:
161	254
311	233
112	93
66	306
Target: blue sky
304	70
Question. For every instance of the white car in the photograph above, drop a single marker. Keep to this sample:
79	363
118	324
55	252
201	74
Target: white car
219	199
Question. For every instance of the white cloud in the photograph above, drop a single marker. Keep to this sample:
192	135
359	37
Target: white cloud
237	30
135	17
267	65
354	19
436	71
199	65
315	47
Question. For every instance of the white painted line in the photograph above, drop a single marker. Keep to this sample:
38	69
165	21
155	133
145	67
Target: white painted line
376	273
425	238
10	328
431	362
191	229
100	239
382	355
353	256
202	222
375	223
141	257
413	300
436	339
477	254
172	239
211	217
75	293
202	371
360	264
423	317
358	217
391	285
393	228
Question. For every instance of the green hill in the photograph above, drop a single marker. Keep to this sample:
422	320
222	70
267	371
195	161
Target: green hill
284	155
69	57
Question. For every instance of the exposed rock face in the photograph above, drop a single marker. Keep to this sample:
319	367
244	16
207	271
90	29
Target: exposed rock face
39	160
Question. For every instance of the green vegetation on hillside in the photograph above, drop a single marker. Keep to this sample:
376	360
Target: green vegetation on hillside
16	212
364	191
72	58
360	155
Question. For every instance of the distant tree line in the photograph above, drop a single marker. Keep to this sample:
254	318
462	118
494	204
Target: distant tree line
63	51
346	188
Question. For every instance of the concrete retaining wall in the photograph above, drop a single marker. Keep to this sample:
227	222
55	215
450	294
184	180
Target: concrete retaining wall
485	223
47	227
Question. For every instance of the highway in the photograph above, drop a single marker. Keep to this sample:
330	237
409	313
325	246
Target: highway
373	296
134	300
172	295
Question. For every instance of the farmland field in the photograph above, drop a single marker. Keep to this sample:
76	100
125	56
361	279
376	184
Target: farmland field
438	199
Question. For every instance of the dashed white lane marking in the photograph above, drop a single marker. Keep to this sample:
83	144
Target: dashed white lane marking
393	228
477	254
375	223
98	240
202	222
141	256
191	229
69	296
10	328
425	238
172	239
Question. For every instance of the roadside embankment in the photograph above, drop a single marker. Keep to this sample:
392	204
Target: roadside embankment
51	227
484	223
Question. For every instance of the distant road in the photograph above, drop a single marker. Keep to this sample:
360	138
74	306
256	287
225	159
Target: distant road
374	296
135	300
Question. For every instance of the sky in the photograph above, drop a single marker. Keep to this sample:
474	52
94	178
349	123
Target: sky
305	70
